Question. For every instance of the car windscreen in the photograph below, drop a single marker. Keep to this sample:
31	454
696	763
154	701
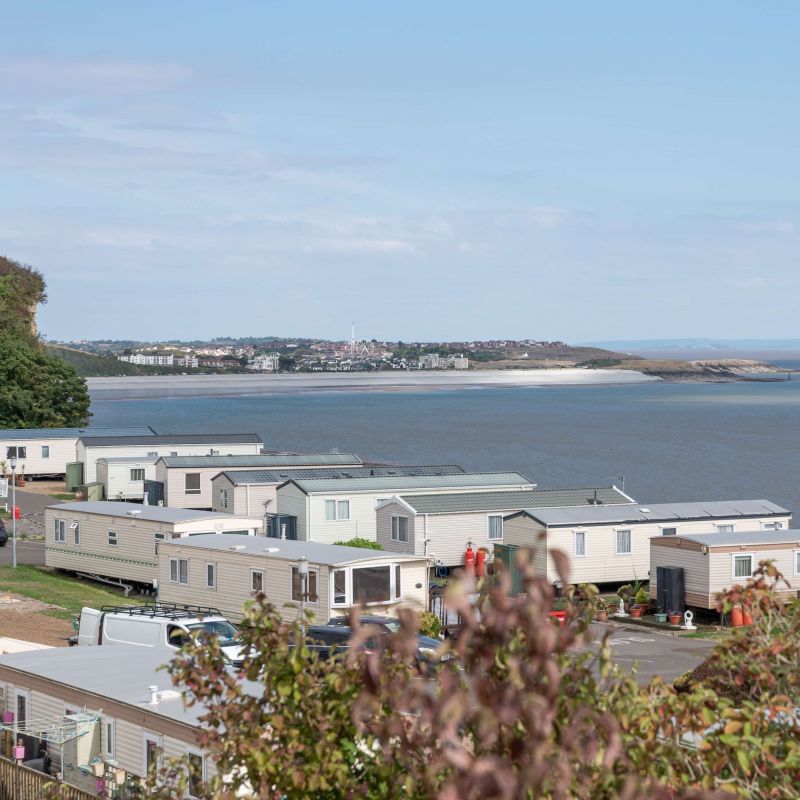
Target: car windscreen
220	628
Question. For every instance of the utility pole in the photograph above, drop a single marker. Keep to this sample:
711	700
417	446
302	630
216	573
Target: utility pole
13	511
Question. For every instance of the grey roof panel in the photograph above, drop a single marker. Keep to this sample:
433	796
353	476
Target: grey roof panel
139	511
129	460
659	512
290	550
265	460
176	438
398	484
244	477
740	538
515	500
72	433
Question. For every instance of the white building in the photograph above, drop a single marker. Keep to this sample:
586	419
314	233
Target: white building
265	363
121	540
47	451
333	510
89	449
611	544
123	478
444	525
227	571
191	362
149	360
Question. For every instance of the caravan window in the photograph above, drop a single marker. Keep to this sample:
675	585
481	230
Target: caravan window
76	532
297	586
371	584
400	529
197	774
179	570
192	483
16	452
45	451
495	523
137	474
23	706
112	539
109	737
60	532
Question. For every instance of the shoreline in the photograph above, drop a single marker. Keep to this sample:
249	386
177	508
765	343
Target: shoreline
142	387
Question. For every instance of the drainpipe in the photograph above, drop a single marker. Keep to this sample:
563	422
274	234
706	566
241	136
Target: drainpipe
247	499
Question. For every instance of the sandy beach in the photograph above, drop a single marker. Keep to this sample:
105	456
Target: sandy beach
133	387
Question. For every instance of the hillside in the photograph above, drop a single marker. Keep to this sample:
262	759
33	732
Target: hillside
88	365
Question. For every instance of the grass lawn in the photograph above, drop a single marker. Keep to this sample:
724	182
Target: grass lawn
63	496
57	589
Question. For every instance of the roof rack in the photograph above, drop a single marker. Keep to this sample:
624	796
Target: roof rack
163	610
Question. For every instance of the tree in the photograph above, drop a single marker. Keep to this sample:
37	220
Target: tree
38	390
523	709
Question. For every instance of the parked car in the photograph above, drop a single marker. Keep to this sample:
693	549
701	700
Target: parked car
3	534
165	626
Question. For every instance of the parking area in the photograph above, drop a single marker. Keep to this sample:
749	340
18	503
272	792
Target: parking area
653	652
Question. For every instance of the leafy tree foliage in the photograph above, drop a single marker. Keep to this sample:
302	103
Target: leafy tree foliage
38	390
524	709
360	541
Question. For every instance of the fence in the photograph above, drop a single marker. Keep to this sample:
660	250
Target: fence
21	783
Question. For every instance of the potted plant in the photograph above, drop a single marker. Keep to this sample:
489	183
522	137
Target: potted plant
674	617
660	615
602	610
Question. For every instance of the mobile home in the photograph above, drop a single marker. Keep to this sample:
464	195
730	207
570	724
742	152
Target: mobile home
713	562
124	478
120	541
47	451
107	707
444	525
227	571
611	544
256	490
89	449
341	509
186	480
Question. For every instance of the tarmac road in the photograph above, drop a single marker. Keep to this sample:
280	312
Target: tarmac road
32	506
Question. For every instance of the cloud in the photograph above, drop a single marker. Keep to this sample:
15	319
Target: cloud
782	227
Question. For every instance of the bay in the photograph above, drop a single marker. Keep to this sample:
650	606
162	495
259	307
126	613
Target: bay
671	441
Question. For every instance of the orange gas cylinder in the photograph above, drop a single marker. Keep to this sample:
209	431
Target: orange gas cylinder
17	512
469	561
480	563
736	616
747	617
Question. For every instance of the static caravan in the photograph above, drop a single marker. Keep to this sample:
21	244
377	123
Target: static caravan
47	451
214	444
713	562
123	478
342	509
226	571
186	480
113	707
444	525
120	541
611	544
256	490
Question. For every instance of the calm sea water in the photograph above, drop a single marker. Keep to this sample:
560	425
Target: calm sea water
672	442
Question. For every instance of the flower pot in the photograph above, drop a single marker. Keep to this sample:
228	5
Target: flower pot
660	616
637	611
602	616
674	619
20	481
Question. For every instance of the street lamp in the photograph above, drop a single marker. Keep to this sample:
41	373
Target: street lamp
13	462
302	571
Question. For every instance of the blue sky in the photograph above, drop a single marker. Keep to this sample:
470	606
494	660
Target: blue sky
429	170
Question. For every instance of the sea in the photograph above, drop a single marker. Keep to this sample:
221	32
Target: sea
667	442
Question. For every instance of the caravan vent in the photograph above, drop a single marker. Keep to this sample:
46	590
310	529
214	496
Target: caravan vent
237	547
272	549
134	513
644	510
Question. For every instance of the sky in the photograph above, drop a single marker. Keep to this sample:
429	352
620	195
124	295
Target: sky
428	171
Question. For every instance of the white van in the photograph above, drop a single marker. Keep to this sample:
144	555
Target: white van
161	625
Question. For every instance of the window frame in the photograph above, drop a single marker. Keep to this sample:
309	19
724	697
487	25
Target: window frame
158	741
337	506
109	735
396	520
253	573
115	534
575	535
215	584
60	531
489	518
24	694
158	537
186	489
312	571
772	525
333	593
718	528
190	752
734	556
797	562
45	451
76	533
617	532
223	498
665	528
19	451
137	470
177	579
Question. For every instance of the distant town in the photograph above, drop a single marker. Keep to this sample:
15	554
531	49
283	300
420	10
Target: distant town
274	354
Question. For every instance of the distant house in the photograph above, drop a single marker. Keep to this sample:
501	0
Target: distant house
47	451
332	510
120	541
255	491
114	706
227	571
713	562
608	544
444	525
90	448
186	479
